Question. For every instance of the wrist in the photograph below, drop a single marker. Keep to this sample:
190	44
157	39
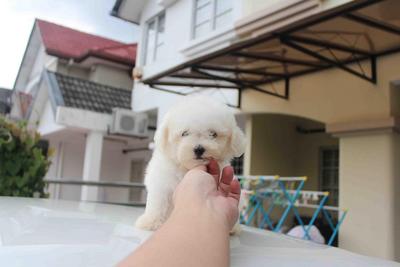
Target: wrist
200	216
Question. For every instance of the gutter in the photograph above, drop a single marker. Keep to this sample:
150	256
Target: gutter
89	54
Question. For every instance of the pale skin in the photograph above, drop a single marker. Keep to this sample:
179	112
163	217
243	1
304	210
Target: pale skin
197	232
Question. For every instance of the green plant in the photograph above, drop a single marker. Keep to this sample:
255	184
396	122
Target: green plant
23	164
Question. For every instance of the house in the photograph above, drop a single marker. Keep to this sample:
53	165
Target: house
317	82
68	84
5	100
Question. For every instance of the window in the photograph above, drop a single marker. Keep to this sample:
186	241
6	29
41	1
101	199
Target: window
329	174
154	38
210	15
237	164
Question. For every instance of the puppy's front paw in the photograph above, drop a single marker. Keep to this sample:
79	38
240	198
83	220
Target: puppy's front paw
149	222
236	229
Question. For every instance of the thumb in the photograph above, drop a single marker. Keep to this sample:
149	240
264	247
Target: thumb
200	168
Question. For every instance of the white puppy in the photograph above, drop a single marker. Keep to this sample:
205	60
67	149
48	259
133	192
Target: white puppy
191	133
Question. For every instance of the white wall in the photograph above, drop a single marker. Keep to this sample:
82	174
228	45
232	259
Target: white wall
39	62
67	163
47	123
38	59
115	166
28	62
72	167
143	97
178	45
178	34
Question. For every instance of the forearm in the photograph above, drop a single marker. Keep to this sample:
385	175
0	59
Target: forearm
191	237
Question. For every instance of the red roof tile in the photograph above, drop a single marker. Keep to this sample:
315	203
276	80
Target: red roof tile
68	43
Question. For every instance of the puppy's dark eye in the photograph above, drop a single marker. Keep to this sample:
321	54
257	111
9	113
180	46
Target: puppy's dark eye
185	133
213	134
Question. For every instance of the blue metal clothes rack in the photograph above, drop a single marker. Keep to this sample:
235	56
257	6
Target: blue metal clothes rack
285	192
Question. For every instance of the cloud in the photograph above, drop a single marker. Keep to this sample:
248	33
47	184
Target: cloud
17	18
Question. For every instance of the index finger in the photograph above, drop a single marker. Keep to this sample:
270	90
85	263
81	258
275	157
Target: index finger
213	169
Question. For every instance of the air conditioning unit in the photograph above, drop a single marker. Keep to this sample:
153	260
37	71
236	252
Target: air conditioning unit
131	123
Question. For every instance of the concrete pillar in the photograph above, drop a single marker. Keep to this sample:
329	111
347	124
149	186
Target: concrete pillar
59	169
369	187
247	153
92	165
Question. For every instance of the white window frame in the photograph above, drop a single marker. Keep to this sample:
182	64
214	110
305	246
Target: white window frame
156	20
213	17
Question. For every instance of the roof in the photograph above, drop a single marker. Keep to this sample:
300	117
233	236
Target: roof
82	94
68	43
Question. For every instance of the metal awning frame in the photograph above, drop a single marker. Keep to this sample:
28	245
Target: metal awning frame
202	71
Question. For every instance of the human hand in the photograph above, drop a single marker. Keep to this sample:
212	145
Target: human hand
202	190
197	231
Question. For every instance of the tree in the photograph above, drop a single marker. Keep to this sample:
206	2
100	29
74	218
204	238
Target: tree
23	164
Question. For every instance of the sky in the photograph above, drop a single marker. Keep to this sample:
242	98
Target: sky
17	18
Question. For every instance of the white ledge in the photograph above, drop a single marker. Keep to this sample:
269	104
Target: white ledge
212	41
389	124
83	119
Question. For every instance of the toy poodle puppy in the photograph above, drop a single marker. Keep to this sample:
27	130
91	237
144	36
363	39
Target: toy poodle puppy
194	131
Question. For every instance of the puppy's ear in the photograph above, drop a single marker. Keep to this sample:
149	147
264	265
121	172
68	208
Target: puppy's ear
161	135
238	142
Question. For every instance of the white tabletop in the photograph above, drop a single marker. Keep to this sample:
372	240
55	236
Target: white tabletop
38	232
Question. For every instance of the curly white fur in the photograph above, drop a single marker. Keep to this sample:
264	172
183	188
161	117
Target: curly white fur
194	122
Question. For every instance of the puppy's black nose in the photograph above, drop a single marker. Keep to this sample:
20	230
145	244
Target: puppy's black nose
199	151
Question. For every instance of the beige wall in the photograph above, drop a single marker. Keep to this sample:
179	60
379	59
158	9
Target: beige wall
394	97
308	156
369	179
368	176
396	187
73	70
111	76
278	149
333	95
252	6
273	143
